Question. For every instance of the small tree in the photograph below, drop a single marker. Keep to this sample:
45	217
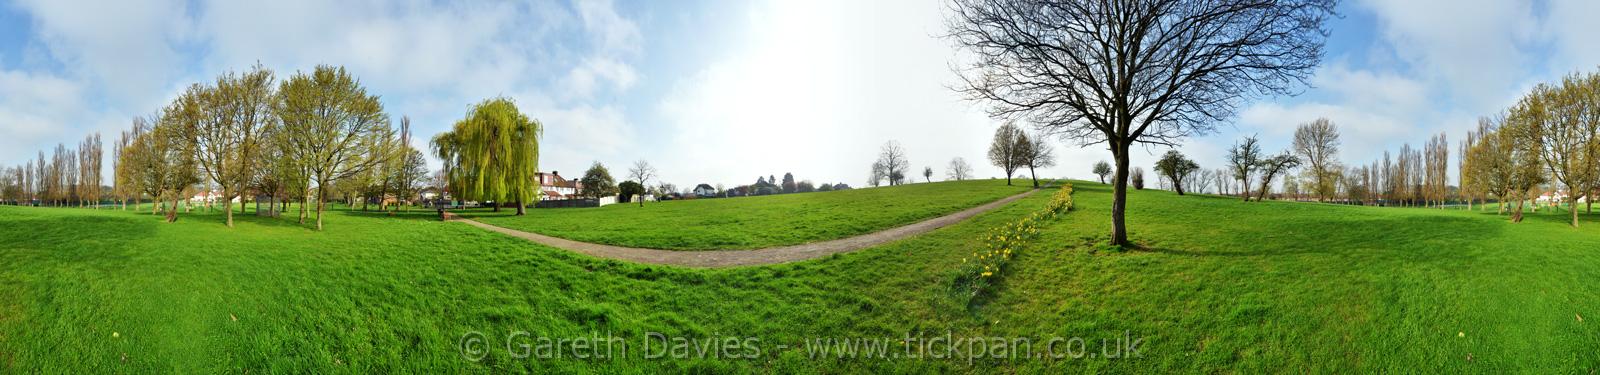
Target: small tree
927	174
1176	168
1243	158
1004	149
1274	166
597	182
958	170
627	191
892	163
642	172
1103	169
788	183
1036	153
1138	178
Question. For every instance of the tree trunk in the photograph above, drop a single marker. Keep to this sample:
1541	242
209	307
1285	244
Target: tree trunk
321	198
521	210
305	200
227	205
1245	185
1573	208
1119	196
1034	176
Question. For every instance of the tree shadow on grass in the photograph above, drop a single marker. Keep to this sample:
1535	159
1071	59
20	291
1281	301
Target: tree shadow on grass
1417	238
74	238
422	214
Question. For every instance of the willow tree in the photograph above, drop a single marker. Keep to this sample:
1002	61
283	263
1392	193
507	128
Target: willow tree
492	154
1133	72
330	128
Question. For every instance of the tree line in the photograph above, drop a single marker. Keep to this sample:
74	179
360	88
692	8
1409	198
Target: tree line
1546	145
310	138
67	177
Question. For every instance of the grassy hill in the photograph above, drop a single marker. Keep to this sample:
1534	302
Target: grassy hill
1224	287
755	222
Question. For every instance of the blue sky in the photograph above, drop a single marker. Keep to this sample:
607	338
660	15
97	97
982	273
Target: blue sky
724	91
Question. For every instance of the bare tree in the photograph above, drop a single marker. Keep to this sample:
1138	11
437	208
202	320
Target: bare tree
892	160
1274	166
1036	153
958	170
1138	178
1243	158
1318	143
641	173
1122	73
1004	149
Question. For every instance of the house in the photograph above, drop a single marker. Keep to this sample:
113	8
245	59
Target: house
208	197
704	191
1557	197
554	187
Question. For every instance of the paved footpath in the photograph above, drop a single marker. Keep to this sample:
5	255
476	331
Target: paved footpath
732	258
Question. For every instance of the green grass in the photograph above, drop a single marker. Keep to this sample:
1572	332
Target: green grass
755	222
1223	287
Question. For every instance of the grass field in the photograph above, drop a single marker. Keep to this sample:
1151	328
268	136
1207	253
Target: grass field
1223	287
755	222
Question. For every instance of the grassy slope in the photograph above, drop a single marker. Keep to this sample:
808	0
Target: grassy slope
1227	286
755	222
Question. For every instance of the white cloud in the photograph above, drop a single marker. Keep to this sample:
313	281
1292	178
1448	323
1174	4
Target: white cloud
1472	49
122	46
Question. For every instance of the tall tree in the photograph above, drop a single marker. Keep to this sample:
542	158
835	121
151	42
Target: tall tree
89	170
1122	73
1243	158
642	172
493	154
1004	149
1564	123
1317	142
234	114
957	170
1524	168
1436	170
1176	168
333	129
163	156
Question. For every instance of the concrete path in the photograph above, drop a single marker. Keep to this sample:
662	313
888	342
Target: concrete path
731	258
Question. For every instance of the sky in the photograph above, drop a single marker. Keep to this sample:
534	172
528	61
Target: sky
725	91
